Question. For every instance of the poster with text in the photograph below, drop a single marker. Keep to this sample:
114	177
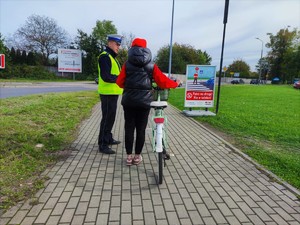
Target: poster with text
69	60
200	86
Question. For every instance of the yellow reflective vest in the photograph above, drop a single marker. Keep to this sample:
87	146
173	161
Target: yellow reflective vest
105	88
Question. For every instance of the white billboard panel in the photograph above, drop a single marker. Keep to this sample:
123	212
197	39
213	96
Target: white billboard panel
69	60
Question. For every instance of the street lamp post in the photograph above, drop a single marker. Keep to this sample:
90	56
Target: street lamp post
260	62
171	41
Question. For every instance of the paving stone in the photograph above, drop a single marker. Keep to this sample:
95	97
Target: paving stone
19	216
172	218
240	215
209	220
126	219
73	202
82	208
35	210
224	209
78	220
91	215
65	196
218	217
53	220
67	216
59	209
114	214
102	219
137	213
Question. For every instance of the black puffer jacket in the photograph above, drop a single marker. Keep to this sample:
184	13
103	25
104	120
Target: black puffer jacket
138	84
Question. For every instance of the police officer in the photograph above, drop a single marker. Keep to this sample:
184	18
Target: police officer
109	91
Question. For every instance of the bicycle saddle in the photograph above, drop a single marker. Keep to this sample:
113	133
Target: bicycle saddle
157	104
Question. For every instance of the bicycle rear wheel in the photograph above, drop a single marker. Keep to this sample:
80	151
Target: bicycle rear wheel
160	167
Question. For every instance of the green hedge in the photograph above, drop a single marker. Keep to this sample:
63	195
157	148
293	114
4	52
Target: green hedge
25	71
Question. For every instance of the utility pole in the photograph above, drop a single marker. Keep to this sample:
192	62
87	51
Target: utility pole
221	62
260	61
171	42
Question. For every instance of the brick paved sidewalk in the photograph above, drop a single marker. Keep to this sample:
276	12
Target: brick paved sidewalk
206	182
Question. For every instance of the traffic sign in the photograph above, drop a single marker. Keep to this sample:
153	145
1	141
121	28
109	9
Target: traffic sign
2	61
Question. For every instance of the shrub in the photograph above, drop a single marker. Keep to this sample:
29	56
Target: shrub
25	71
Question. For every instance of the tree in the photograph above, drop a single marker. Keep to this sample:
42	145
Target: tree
31	61
292	64
239	66
125	46
182	54
3	48
90	52
127	41
24	57
101	30
41	34
18	58
281	57
12	54
93	44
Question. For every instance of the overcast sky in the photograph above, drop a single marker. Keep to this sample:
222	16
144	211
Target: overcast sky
198	23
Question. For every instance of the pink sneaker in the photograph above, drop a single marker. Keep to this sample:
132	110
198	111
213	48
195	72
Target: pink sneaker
129	160
137	159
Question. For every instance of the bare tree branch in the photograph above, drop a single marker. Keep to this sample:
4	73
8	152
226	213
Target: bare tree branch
41	34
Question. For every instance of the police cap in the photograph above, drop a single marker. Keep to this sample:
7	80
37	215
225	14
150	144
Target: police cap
115	37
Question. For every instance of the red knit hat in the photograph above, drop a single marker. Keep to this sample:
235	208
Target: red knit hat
139	42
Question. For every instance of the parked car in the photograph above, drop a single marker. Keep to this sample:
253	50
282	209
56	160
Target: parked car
254	81
275	80
237	81
297	84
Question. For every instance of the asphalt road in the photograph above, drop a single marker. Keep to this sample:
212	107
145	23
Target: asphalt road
15	89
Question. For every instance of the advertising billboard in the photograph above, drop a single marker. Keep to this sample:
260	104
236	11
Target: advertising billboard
69	60
200	86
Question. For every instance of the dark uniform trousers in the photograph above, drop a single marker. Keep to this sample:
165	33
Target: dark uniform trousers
109	109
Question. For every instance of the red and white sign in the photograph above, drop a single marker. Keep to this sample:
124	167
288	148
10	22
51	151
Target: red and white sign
2	61
69	60
200	86
199	95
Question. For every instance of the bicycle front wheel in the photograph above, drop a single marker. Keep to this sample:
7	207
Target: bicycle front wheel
160	167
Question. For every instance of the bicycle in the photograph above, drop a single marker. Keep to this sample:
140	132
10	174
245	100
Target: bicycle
159	134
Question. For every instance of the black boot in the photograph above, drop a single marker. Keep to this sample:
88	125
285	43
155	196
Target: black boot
106	150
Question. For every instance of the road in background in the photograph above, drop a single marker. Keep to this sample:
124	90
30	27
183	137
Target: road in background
15	89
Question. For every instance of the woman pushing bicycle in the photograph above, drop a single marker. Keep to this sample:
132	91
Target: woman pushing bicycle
136	78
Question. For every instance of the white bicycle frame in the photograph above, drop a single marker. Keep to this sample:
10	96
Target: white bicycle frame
159	121
158	128
159	135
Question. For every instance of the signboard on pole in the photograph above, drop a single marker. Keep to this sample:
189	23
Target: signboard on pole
69	60
236	75
200	86
2	61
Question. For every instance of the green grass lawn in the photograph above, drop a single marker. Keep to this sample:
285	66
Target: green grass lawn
263	121
48	119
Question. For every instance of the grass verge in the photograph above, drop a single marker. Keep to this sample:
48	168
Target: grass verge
262	121
35	130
